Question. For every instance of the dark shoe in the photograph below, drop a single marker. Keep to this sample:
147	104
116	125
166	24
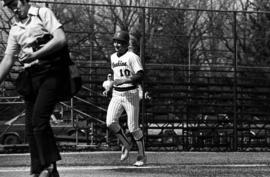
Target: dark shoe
55	173
49	172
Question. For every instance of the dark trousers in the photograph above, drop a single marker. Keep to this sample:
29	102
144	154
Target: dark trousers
43	148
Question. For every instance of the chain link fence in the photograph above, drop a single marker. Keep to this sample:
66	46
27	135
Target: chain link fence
207	71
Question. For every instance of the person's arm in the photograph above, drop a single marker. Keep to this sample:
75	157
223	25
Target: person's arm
56	43
135	79
106	91
107	85
6	65
54	27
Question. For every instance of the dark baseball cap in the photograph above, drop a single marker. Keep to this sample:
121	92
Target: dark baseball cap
6	2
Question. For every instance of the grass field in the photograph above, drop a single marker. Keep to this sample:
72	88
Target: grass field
182	164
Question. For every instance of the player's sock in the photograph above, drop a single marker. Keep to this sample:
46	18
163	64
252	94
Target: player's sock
123	138
141	147
141	158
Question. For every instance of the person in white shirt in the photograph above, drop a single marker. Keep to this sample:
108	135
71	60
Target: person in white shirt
45	81
107	84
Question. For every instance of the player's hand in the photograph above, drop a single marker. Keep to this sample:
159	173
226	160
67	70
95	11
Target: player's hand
147	96
105	93
27	57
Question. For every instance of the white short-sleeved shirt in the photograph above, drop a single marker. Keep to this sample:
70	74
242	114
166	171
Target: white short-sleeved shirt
107	84
125	66
22	34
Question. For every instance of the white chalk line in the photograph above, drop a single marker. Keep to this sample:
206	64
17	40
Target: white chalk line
72	168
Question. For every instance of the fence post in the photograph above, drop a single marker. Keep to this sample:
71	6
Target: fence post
91	19
142	56
235	137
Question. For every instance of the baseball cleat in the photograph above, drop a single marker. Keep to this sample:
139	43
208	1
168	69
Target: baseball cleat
125	152
141	161
55	173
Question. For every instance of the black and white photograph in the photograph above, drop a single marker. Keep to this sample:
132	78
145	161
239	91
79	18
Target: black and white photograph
134	88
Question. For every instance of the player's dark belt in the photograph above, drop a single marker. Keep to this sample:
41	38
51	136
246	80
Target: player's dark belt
123	89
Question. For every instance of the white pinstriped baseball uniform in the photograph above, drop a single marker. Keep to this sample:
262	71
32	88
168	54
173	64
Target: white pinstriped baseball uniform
127	99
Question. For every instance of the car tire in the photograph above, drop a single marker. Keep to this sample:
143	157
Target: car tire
11	139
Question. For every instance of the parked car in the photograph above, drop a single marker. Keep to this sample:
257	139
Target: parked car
13	131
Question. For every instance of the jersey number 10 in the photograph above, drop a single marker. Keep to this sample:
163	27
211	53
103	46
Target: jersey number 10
125	73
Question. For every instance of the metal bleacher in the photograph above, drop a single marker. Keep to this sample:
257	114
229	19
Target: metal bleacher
187	113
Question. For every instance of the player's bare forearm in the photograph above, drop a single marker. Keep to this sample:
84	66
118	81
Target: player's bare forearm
137	78
117	82
105	92
5	66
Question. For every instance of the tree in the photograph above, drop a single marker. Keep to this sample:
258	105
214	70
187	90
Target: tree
5	24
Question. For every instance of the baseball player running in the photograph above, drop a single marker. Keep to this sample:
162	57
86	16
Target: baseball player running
127	74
